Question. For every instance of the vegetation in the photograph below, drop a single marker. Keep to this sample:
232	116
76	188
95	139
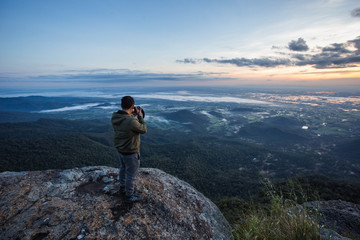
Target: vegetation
59	151
281	219
278	223
318	187
221	168
298	190
227	170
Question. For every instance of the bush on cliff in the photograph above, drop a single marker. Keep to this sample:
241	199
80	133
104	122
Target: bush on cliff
280	220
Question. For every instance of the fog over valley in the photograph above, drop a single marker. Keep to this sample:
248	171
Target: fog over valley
324	125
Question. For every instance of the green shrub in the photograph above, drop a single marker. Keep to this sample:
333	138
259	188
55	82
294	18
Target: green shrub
282	220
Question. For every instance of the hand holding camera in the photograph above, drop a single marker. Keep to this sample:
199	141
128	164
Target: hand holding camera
138	111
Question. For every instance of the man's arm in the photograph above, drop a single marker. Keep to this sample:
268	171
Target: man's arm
139	125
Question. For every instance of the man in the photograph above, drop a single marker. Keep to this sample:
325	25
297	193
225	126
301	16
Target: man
127	130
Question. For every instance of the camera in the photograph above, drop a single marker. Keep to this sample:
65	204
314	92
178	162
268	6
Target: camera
139	109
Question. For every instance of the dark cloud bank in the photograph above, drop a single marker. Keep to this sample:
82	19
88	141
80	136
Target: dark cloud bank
336	55
110	76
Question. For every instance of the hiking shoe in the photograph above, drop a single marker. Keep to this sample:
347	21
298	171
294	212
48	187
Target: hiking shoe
132	199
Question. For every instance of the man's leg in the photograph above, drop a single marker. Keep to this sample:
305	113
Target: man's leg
132	163
122	171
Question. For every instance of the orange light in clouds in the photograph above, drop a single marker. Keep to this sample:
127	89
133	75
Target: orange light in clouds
297	75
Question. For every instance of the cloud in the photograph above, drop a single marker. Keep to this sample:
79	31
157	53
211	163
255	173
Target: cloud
113	77
356	43
337	48
336	55
242	62
355	12
299	45
197	98
72	108
110	78
187	60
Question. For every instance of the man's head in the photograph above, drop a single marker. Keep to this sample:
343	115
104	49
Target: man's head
127	102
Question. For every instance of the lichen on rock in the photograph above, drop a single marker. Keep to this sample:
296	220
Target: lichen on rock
85	203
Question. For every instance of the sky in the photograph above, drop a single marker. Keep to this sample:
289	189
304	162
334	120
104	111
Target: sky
77	43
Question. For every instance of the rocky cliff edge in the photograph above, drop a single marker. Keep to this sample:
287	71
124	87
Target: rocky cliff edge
85	204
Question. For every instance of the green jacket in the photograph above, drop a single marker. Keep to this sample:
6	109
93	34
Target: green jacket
127	130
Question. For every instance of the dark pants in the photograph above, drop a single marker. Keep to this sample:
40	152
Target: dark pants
129	167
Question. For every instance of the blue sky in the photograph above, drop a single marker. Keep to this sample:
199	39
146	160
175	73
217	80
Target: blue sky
115	43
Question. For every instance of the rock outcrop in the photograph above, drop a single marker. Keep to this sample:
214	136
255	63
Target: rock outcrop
85	204
338	218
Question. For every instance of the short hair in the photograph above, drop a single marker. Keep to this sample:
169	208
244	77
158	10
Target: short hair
127	102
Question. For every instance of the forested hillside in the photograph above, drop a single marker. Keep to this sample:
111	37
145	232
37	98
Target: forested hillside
218	167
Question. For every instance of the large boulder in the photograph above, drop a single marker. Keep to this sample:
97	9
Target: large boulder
338	218
85	204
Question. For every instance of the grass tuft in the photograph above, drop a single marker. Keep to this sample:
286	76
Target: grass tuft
283	219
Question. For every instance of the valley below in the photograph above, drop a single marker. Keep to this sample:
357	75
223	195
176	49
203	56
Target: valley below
224	142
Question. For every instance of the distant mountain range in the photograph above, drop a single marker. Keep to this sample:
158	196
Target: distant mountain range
38	103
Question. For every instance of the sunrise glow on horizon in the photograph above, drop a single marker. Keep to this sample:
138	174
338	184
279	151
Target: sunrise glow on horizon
172	43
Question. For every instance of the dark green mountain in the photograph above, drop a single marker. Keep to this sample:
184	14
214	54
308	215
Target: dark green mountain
195	122
349	150
59	151
43	127
38	103
284	123
261	132
245	109
6	117
216	166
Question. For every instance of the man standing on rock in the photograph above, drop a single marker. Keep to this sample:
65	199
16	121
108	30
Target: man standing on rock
128	127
